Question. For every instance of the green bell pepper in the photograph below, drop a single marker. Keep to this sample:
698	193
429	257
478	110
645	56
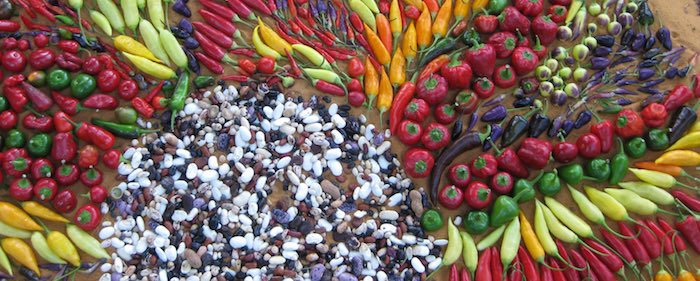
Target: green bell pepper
204	81
39	145
505	209
126	115
59	79
15	138
636	147
571	174
82	86
431	220
598	169
476	222
496	6
3	104
618	165
525	190
549	184
657	139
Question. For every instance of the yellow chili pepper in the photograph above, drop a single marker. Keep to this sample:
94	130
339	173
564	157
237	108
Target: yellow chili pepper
397	71
684	275
312	55
557	228
38	210
542	232
10	231
386	94
656	178
15	217
371	82
423	27
415	3
85	242
679	158
112	13
372	5
155	13
42	248
384	32
607	204
395	20
272	39
172	48
529	238
5	262
101	21
663	275
470	254
691	140
377	46
479	5
131	14
409	45
261	48
152	40
462	9
62	246
366	15
695	127
21	252
633	202
568	218
127	44
150	67
442	20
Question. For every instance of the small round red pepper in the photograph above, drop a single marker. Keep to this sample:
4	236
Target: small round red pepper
629	124
88	217
588	145
355	68
8	120
21	189
128	89
67	174
445	113
450	197
266	65
504	77
41	59
459	175
91	177
654	115
45	189
107	80
14	61
41	168
93	66
98	194
417	110
502	183
65	201
484	166
564	152
435	136
409	132
535	152
111	158
483	87
418	162
478	195
88	156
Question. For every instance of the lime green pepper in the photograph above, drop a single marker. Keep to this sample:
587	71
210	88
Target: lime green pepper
431	220
549	184
505	209
571	174
82	86
598	169
636	147
657	139
3	104
59	79
126	115
204	81
37	78
39	145
527	188
477	222
618	165
65	34
65	20
496	6
15	138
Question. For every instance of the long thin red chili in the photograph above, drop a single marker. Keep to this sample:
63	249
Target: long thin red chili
528	265
557	273
213	66
578	261
651	244
234	77
321	36
483	268
214	35
218	9
294	27
546	274
40	7
634	245
305	29
337	55
26	8
597	266
218	22
155	91
569	272
496	265
661	236
329	88
616	244
691	232
209	48
285	36
241	9
292	8
678	242
33	26
356	22
612	261
687	200
243	52
71	29
258	5
294	69
516	271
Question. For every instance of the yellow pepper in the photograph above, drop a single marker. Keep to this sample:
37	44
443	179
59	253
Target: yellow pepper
397	71
409	45
101	21
15	217
663	275
10	231
21	252
312	55
272	39
5	262
372	5
129	45
415	3
423	28
384	32
532	244
695	127
386	94
261	48
679	158
479	5
691	140
442	20
656	178
462	9
378	49
131	14
61	245
85	242
172	48
152	40
395	20
38	210
607	204
150	67
42	248
371	82
364	12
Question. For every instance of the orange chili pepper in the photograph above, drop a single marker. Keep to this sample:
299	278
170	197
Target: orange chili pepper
397	71
386	94
434	66
415	3
378	49
462	9
479	5
371	82
432	6
684	275
442	20
409	45
395	20
667	169
384	32
423	27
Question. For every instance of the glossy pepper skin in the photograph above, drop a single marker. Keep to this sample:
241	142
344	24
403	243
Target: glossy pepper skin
509	161
504	210
445	113
16	162
571	174
65	201
67	174
433	89
549	184
564	152
484	88
629	124
478	195
45	189
484	166
678	96
535	152
457	72
605	132
513	20
409	132
545	28
503	42
431	220
654	115
88	217
476	222
589	145
21	189
486	24
482	58
598	169
618	165
636	147
91	177
524	60
459	175
504	77
417	110
419	162
64	148
41	168
450	197
435	136
111	158
657	139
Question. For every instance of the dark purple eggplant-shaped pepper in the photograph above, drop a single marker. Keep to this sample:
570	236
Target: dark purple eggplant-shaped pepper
181	8
645	73
556	126
664	36
496	132
638	42
599	63
495	114
583	118
652	83
602	51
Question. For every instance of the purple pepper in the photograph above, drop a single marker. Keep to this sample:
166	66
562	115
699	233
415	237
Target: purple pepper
191	43
639	41
559	97
472	121
601	51
652	83
332	12
566	128
621	61
671	72
651	41
583	118
623	91
651	91
624	101
625	82
496	132
627	37
181	8
652	99
556	125
321	6
664	36
599	63
494	101
185	25
645	73
495	114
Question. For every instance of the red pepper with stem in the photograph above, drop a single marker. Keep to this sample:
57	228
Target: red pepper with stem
610	259
294	69
605	132
509	161
589	145
61	123
88	217
688	201
450	197
88	156
69	46
535	153
483	268
216	36
111	158
496	265
218	23
290	39
213	66
21	189
662	237
557	269
16	97
629	124
484	166
401	100
654	115
258	5
41	168
143	107
155	91
597	266
97	194
615	243
41	123
8	120
91	177
63	148
516	271
546	274
16	162
45	189
219	9
107	80
691	231
678	243
570	272
212	50
433	66
100	101
528	265
677	97
578	261
639	252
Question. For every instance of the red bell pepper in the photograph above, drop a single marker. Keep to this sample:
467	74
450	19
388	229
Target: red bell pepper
589	145
63	147
509	161
450	197
466	102
432	89
43	123
530	8
513	20
435	136
606	133
557	13
8	120
88	217
485	24
539	49
16	97
111	158
91	177
484	166
41	168
459	175
677	97
654	115
418	162
45	189
545	28
40	100
482	59
505	77
67	174
128	89
458	73
629	124
21	189
524	60
65	201
16	162
484	88
502	182
564	152
98	194
445	113
409	132
535	153
478	195
503	42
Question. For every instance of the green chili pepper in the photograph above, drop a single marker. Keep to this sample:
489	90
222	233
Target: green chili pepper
431	220
571	174
477	222
525	190
618	165
15	138
657	139
491	238
610	109
645	16
177	102
85	242
168	88
65	20
3	104
126	115
497	6
598	169
203	81
505	209
83	85
59	79
39	145
65	34
121	130
549	184
636	147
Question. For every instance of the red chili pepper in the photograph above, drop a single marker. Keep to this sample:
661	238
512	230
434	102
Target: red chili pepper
98	194
40	100
454	273
483	268
65	201
154	92
213	66
41	168
101	101
88	217
558	271
639	252
88	156
294	69
244	52
128	89
212	50
677	97
241	9
16	97
661	236
218	22
214	35
496	265
696	85
258	5
328	88
40	8
546	274
266	65
356	22
654	115
610	259
457	72
27	9
91	177
71	29
516	271
142	107
418	162
111	158
509	161
233	77
403	96
8	120
323	37
678	242
16	162
21	189
45	189
687	200
42	123
64	63
577	260
528	265
64	148
629	124
101	137
597	266
68	105
589	145
285	35
61	123
69	46
218	9
535	153
570	272
465	275
605	132
691	231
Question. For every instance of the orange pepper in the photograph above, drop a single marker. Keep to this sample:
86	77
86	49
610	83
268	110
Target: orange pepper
663	275
397	71
415	3
432	6
386	94
395	20
409	45
434	66
378	49
384	31
442	20
423	27
462	9
479	5
684	275
668	169
371	80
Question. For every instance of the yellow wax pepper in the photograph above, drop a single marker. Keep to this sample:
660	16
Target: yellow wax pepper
395	19
261	48
5	262
364	12
371	82
11	231
532	244
42	248
372	5
15	217
151	38
461	9
679	158
85	242
38	210
377	46
409	45
62	246
691	140
695	127
312	55
415	3
386	94
479	5
397	71
131	13
150	67
442	20
272	39
21	252
423	27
